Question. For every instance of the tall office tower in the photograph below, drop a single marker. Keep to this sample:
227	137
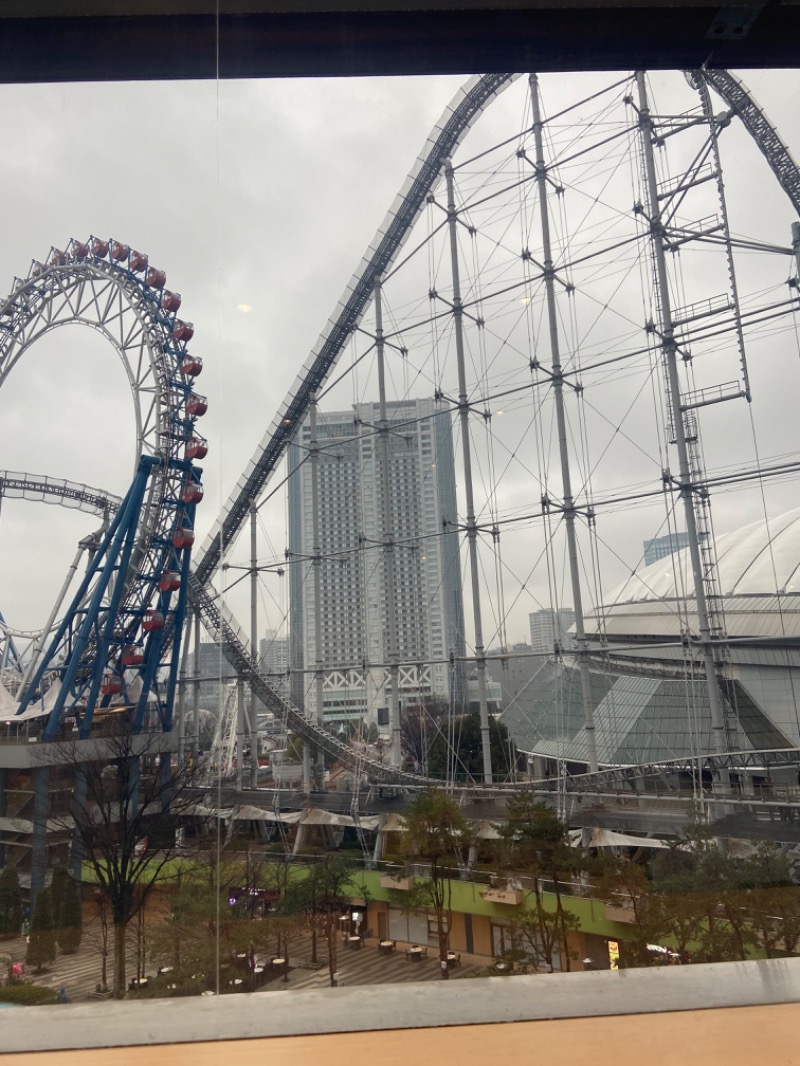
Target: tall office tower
274	656
661	547
215	672
354	623
549	625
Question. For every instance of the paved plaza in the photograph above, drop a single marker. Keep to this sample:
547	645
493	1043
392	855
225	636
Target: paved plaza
80	973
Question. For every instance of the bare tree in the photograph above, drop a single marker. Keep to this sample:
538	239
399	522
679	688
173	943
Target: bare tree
127	796
100	936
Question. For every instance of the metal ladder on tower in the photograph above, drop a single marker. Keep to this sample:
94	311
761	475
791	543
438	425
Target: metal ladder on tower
689	404
714	599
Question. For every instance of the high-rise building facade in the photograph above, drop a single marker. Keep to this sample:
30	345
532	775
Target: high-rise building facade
548	626
353	607
275	658
661	547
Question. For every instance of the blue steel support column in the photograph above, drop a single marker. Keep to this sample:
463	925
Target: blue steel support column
41	810
35	681
152	663
180	618
125	540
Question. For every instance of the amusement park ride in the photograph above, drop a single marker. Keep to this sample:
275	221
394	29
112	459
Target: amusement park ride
118	638
115	643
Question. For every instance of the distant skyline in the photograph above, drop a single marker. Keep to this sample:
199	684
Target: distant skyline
660	547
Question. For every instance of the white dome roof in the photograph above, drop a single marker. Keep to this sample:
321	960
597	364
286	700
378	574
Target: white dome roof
758	559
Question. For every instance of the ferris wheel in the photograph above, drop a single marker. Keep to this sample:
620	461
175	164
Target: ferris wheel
561	275
113	635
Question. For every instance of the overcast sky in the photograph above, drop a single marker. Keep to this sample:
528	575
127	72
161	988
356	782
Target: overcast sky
258	199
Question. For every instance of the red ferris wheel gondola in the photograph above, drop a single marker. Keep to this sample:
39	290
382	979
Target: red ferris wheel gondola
153	620
183	538
192	492
169	581
170	301
99	248
155	279
197	448
111	684
192	366
196	406
119	251
182	331
137	261
132	655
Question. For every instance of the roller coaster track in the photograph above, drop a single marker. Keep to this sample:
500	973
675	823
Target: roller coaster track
739	100
15	485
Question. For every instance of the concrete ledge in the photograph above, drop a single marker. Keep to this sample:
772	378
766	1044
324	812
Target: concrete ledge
487	1001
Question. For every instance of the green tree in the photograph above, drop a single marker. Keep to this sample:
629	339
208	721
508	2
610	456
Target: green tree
67	916
186	939
703	895
69	920
463	751
10	903
58	890
775	914
42	940
773	899
320	899
624	883
535	843
437	833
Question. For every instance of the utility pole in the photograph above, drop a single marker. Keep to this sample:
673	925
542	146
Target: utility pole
253	642
387	536
569	509
316	565
466	452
